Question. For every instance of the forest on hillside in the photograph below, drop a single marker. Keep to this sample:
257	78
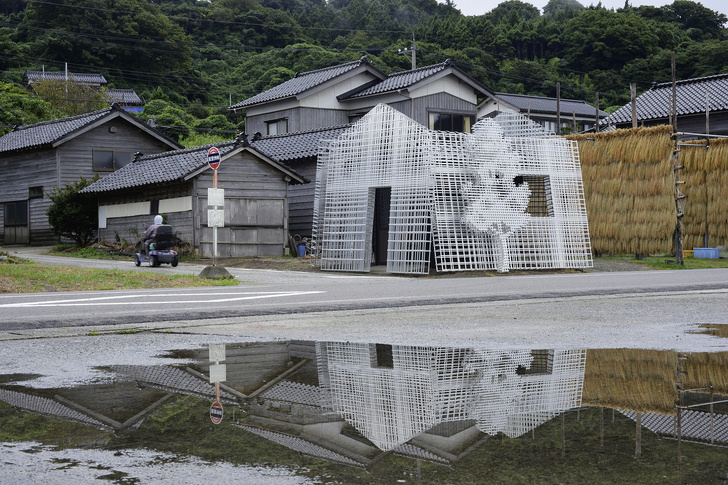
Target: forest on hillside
190	59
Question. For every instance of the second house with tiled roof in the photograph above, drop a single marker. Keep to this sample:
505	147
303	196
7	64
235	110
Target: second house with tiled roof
701	106
440	97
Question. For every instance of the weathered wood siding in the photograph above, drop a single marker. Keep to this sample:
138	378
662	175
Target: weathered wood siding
76	155
300	198
299	119
131	228
19	172
256	209
52	167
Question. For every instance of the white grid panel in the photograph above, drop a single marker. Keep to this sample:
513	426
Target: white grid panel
426	386
464	196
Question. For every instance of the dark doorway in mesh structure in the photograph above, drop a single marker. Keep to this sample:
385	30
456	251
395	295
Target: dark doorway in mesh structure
539	203
543	363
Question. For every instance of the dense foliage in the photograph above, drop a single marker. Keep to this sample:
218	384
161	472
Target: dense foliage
74	215
193	58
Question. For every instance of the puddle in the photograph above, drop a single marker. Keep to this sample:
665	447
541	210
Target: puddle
346	412
715	329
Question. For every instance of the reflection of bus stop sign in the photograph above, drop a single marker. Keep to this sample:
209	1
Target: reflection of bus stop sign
213	157
216	412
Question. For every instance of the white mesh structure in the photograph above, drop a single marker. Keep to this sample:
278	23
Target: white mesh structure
506	196
392	401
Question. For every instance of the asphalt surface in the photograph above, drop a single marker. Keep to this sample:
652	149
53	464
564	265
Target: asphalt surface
602	309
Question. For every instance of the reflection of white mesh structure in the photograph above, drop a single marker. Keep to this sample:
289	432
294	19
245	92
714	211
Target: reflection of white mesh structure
391	400
505	196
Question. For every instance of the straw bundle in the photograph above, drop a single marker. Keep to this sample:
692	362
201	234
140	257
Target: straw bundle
629	189
704	369
640	380
706	175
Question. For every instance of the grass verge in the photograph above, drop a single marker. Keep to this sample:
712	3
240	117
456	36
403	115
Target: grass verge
667	262
29	277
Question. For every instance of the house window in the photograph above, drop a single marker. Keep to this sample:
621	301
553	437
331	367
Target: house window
108	160
277	127
450	122
35	192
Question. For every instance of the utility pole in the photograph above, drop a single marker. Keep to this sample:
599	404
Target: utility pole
413	49
558	108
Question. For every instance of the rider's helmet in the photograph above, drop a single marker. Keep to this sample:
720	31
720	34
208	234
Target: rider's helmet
157	220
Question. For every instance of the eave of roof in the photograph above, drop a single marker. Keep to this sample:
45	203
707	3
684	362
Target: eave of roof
76	77
307	81
177	166
540	104
55	132
412	79
656	103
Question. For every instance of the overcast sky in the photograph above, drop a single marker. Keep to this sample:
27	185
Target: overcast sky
479	7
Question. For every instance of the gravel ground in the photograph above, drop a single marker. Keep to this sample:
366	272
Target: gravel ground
29	462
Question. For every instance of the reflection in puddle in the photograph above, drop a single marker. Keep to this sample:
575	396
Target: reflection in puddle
397	410
716	329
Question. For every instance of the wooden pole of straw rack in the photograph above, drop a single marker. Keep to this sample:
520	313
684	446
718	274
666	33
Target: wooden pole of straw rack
679	196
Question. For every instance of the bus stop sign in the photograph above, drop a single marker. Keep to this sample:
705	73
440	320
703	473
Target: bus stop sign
216	412
213	157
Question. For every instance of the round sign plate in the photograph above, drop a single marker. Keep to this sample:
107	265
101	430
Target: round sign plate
213	157
216	412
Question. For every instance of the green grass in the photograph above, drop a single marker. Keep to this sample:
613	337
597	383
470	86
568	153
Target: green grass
183	426
30	277
664	262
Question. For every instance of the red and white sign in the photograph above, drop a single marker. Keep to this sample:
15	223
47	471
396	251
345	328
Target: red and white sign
213	157
216	412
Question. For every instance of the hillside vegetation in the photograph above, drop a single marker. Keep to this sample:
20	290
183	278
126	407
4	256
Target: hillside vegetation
190	59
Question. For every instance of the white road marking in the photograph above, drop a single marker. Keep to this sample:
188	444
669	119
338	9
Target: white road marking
145	299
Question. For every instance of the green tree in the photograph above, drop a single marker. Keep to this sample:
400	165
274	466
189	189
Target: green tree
72	214
602	39
70	97
19	107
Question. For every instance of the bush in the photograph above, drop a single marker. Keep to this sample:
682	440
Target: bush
74	215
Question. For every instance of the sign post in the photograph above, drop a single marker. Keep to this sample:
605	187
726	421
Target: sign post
217	373
213	159
215	216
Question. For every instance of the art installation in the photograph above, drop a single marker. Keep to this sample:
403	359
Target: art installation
393	393
507	196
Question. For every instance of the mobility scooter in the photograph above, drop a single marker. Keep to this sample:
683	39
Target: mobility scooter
160	249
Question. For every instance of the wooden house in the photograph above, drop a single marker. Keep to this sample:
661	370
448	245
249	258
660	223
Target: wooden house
36	158
313	105
175	184
702	106
574	114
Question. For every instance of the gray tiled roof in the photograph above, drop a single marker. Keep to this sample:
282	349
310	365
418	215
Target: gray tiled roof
177	164
45	406
33	76
404	79
656	103
540	104
47	132
302	446
157	168
124	97
294	146
301	83
694	425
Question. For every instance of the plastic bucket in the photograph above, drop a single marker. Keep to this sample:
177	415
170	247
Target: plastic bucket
302	250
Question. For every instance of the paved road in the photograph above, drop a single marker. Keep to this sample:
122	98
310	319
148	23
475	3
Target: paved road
281	304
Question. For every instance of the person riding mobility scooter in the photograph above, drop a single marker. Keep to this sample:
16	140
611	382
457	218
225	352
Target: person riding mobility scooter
157	244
